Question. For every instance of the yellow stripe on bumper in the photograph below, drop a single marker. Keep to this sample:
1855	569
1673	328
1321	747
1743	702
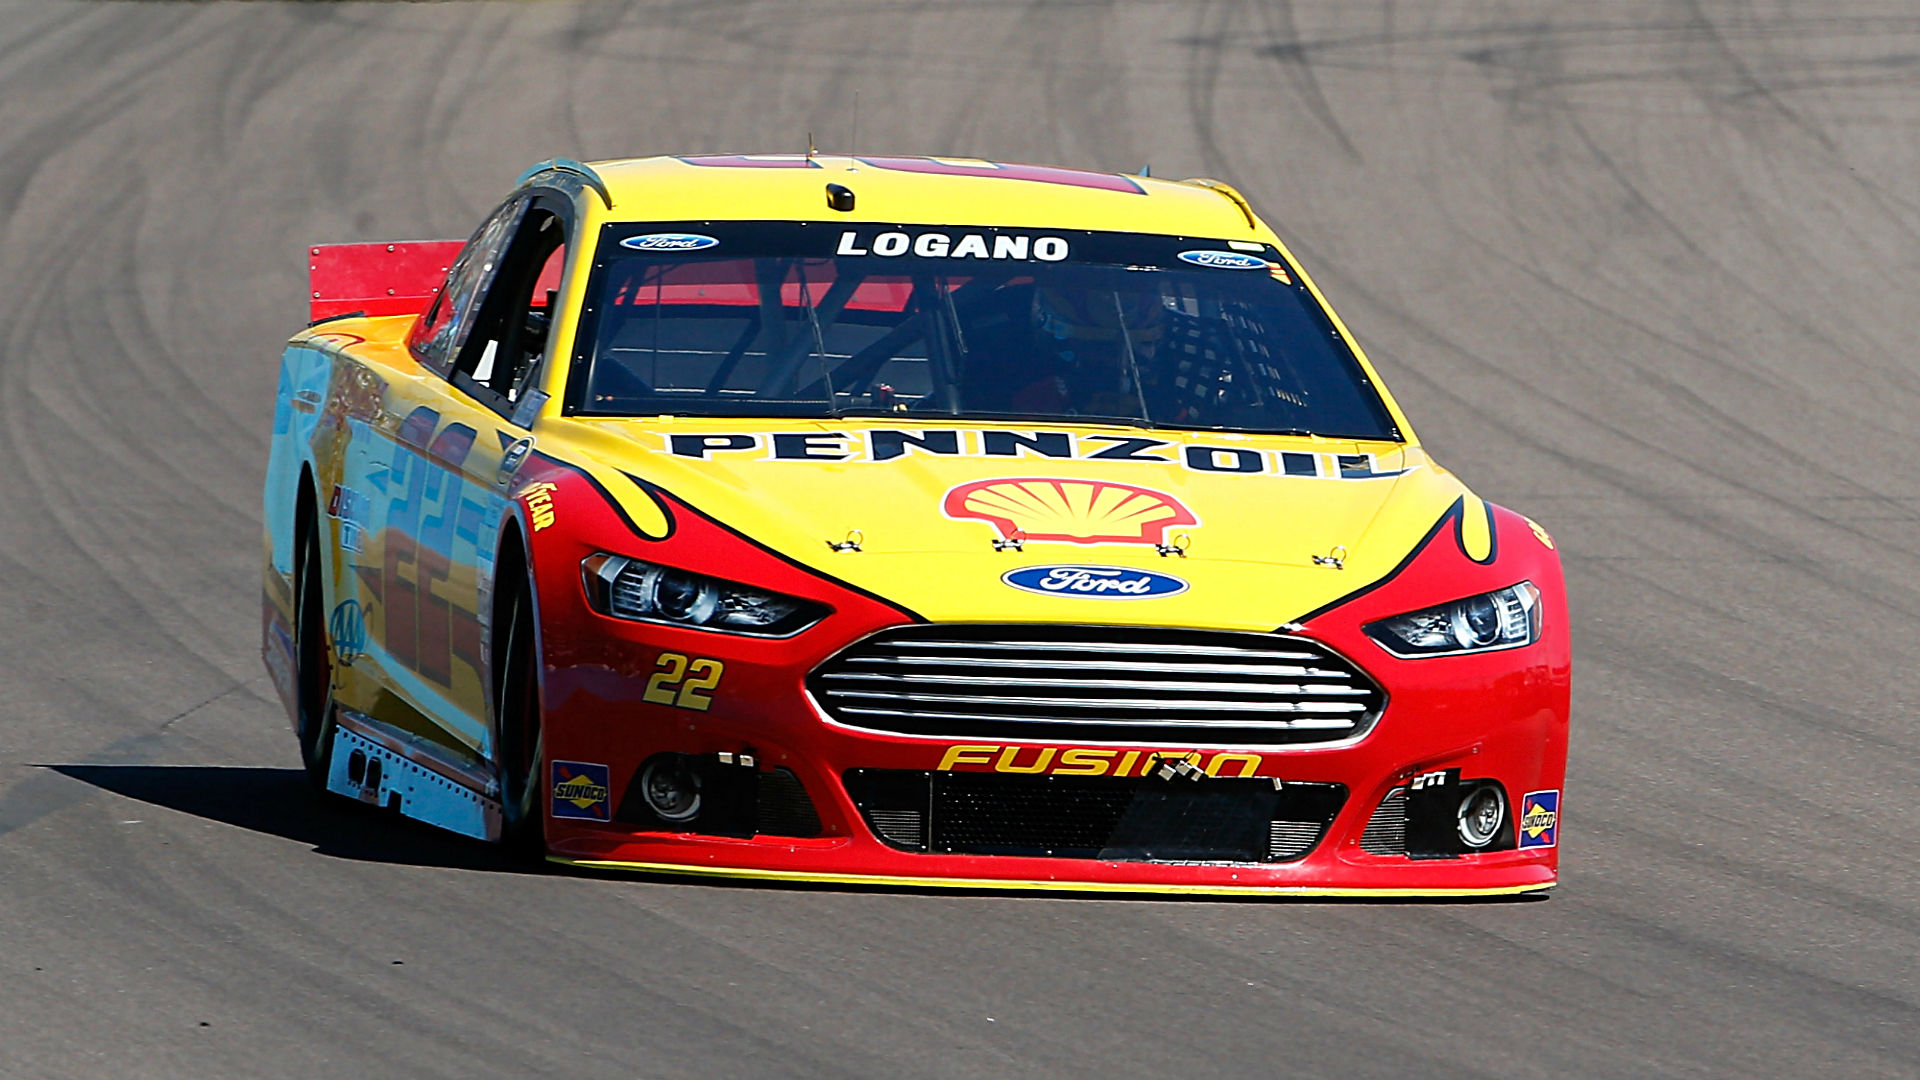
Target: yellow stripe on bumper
803	877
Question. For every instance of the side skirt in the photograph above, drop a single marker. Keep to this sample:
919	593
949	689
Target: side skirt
385	767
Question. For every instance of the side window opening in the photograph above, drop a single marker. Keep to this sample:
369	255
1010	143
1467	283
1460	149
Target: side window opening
509	334
439	333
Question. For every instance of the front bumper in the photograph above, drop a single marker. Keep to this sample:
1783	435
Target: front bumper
616	696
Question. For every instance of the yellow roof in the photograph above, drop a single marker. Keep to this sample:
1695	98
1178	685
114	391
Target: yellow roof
964	191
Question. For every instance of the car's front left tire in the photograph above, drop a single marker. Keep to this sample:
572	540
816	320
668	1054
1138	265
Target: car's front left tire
313	663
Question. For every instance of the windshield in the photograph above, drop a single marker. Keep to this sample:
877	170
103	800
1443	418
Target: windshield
790	319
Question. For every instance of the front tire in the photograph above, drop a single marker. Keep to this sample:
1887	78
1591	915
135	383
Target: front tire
521	746
313	666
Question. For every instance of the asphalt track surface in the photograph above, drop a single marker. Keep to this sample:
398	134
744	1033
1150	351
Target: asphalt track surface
1642	270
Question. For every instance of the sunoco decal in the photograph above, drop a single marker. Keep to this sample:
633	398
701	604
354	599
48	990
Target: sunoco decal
580	791
1098	582
667	241
1224	260
1540	819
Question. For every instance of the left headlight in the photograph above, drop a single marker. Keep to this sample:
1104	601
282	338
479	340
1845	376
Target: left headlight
627	588
1503	619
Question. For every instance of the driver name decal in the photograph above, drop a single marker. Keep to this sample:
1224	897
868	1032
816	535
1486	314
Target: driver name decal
941	245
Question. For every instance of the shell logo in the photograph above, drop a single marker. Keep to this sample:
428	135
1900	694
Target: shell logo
1069	511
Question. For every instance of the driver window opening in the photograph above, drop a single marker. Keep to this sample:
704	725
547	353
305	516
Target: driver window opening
509	335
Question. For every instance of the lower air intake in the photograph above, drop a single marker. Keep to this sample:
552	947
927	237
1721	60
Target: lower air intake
1141	819
1386	832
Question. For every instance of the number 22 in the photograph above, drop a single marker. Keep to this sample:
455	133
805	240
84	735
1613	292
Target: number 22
701	675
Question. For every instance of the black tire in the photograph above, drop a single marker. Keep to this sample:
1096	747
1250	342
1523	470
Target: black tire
313	662
521	750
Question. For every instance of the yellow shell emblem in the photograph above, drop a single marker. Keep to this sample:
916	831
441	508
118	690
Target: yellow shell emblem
1070	511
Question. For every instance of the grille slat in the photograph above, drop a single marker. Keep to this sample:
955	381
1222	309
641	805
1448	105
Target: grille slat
1103	684
1105	703
1090	682
1097	646
1305	723
1136	662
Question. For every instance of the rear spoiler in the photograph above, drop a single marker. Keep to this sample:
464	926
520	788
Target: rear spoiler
377	279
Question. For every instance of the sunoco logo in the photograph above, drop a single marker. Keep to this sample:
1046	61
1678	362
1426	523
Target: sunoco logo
580	790
669	241
1540	819
1102	582
1224	260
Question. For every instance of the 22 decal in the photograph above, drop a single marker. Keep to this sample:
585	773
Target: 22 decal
684	682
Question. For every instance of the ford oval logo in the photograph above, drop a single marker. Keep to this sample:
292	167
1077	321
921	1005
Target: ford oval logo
1099	582
669	241
1224	260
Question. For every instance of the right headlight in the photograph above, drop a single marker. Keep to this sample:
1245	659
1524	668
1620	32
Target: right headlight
628	588
1503	619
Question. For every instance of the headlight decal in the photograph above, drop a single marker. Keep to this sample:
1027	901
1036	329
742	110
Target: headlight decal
649	517
1474	530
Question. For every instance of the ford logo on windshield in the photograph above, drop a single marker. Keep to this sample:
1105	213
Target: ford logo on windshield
1100	582
1224	260
669	241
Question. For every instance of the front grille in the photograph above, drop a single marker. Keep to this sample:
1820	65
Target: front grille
1097	683
1138	819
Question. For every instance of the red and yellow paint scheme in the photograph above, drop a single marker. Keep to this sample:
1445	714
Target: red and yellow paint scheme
410	497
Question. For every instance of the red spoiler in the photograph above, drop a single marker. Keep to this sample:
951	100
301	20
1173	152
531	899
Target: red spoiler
377	279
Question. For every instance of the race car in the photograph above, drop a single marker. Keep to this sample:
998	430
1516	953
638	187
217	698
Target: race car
899	521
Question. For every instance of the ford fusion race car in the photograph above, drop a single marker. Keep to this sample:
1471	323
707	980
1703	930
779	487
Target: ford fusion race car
899	521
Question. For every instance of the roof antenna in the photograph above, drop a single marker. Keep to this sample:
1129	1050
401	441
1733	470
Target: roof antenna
811	149
853	140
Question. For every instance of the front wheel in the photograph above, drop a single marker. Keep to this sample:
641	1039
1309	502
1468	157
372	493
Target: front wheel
517	705
313	666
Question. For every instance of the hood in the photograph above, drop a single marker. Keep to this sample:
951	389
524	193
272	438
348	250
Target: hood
981	522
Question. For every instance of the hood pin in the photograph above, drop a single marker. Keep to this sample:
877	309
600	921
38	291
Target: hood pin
851	543
1337	558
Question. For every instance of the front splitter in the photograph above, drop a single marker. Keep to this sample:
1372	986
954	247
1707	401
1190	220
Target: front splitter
802	877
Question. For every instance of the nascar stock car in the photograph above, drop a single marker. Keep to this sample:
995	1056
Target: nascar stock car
904	521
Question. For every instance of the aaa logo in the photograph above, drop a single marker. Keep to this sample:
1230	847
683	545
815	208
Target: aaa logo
348	628
1070	511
